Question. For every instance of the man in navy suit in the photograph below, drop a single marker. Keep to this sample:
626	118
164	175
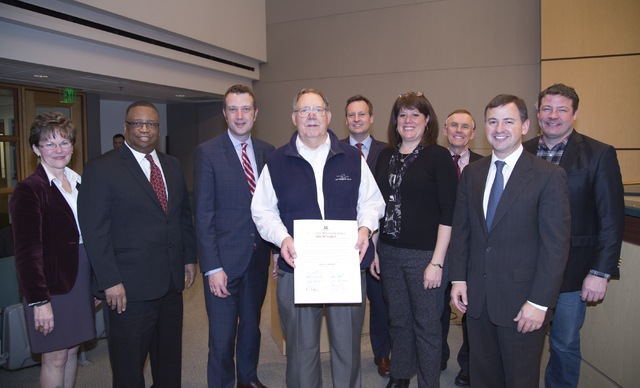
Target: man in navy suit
511	231
137	227
359	117
459	129
597	223
233	257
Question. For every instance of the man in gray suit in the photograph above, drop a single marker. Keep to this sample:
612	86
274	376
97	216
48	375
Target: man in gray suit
359	117
136	223
233	257
511	232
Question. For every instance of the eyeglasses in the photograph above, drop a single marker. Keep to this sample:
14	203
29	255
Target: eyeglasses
65	145
305	111
140	124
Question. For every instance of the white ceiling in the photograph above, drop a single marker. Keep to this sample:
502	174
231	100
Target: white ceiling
108	88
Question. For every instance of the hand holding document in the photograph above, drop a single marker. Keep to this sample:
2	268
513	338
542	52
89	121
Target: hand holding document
327	264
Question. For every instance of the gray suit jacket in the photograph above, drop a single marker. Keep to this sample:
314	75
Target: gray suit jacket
128	237
524	255
225	231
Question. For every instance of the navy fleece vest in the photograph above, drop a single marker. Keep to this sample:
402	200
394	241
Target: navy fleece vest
294	184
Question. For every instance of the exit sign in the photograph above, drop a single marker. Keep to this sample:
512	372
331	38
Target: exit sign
67	96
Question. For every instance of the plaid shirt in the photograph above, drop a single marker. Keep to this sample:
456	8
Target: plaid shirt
554	154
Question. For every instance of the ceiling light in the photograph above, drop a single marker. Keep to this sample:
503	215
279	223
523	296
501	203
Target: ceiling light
181	95
40	76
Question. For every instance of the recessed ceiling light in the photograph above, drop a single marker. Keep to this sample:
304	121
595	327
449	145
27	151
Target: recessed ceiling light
181	95
40	76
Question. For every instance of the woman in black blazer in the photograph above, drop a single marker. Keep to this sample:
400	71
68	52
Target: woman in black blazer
53	269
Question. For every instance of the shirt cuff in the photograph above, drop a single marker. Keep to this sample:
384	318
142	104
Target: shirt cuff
543	308
213	271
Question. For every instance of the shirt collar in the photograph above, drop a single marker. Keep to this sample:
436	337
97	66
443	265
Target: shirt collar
366	142
139	155
72	176
236	143
510	160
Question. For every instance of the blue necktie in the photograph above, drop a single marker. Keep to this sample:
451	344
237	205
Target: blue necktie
495	194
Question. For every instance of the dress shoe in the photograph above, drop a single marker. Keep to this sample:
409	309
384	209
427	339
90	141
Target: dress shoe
253	384
398	383
384	366
462	379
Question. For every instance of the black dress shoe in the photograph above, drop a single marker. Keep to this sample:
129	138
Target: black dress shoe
462	379
253	384
384	366
398	383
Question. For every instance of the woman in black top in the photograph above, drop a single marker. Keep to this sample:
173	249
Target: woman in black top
418	181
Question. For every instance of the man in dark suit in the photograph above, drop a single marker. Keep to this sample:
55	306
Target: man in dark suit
459	129
233	257
597	223
508	250
137	227
359	117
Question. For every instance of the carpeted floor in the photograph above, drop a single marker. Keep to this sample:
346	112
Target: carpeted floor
271	370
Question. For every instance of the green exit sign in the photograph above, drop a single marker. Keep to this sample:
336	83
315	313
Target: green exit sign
67	96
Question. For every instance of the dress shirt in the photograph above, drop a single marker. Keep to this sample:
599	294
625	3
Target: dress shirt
464	158
237	144
366	145
71	198
264	207
146	166
510	163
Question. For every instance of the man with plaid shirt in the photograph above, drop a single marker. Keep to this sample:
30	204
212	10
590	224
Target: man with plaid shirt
597	222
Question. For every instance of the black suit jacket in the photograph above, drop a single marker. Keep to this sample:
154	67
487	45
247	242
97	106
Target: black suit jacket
128	237
523	257
374	151
45	238
473	156
597	208
226	232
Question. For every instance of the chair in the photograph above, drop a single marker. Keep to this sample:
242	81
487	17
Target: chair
14	343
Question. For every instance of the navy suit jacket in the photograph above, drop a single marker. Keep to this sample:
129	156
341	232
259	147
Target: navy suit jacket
128	237
45	238
523	257
225	230
597	208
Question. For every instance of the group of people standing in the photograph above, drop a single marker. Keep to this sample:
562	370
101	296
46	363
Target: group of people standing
515	240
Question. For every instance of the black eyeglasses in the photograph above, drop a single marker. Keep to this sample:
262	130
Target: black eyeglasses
140	124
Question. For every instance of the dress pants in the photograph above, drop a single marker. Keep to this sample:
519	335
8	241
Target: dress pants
301	326
151	328
378	318
502	357
234	328
414	313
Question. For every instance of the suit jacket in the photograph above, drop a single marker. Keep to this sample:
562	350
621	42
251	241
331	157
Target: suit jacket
376	147
473	156
45	238
128	237
225	231
524	255
597	208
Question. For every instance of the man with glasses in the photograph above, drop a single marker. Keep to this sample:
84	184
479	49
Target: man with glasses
315	164
136	223
359	117
233	257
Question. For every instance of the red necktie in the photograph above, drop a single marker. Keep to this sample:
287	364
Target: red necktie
158	184
359	145
456	159
248	170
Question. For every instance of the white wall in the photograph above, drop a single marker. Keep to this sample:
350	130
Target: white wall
460	53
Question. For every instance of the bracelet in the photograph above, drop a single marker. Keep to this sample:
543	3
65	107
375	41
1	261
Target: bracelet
436	265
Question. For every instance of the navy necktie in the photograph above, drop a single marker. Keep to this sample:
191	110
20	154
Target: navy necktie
496	193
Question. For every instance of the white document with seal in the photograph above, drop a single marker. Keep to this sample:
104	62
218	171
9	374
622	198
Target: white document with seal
327	263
